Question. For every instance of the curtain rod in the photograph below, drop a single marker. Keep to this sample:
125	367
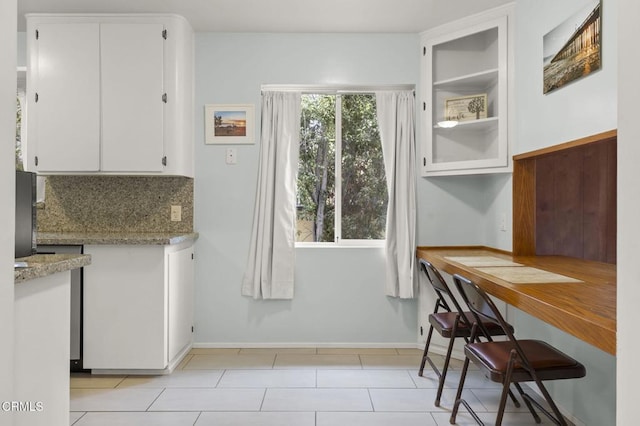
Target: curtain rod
328	88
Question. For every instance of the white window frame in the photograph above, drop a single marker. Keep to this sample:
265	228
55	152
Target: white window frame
338	91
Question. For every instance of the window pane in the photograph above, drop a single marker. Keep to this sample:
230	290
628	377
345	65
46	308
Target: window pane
364	188
316	170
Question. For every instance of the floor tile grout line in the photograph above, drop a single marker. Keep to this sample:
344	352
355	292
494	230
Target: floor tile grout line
78	419
220	378
155	399
373	408
197	418
264	396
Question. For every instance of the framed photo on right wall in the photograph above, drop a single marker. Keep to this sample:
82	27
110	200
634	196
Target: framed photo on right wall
573	49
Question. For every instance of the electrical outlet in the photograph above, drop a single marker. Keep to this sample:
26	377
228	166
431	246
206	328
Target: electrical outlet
176	213
232	156
503	222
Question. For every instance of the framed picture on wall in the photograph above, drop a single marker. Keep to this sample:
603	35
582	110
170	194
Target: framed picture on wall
573	49
229	124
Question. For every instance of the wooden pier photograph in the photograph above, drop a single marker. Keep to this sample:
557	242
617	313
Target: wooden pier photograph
572	50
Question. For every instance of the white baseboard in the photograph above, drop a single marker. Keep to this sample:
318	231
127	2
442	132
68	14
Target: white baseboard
138	371
278	345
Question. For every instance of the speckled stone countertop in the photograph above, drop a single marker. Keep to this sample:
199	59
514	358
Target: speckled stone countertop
114	238
41	265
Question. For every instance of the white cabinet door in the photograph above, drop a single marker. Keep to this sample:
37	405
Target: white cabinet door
125	308
180	274
64	123
132	91
115	94
138	306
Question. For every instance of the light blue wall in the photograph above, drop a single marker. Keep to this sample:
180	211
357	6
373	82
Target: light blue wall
22	49
582	108
339	294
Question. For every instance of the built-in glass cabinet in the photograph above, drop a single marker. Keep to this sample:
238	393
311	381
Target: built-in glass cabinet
465	95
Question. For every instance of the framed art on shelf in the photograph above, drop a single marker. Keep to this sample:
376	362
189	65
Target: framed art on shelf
466	108
229	124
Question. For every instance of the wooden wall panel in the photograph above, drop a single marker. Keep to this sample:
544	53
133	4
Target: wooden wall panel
545	207
569	202
596	171
564	200
612	201
524	193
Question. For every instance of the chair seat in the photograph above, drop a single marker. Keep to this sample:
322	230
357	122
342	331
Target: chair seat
548	362
443	322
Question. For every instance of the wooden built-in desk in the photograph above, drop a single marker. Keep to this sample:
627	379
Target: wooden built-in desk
586	309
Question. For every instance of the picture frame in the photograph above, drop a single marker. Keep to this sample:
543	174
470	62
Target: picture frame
231	124
466	108
573	49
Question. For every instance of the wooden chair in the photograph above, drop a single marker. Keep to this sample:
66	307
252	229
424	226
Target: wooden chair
450	324
511	361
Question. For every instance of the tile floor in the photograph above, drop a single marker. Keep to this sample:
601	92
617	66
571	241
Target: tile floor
285	387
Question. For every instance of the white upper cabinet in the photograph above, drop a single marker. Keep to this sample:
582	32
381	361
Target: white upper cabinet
466	84
67	74
132	97
109	94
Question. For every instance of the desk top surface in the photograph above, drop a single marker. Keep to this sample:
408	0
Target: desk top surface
574	295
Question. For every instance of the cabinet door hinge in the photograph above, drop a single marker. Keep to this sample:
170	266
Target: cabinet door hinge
164	34
37	34
35	160
36	97
164	160
164	98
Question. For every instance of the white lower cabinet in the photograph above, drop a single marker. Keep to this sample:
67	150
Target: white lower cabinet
138	306
41	352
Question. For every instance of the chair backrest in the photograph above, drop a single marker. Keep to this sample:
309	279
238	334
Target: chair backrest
481	306
439	285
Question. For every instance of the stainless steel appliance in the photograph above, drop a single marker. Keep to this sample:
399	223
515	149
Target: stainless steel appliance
25	214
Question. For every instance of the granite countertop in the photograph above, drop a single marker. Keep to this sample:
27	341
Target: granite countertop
114	238
41	265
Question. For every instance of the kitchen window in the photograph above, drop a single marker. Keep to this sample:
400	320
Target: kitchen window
341	187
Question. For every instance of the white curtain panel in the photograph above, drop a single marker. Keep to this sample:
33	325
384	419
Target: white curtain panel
271	262
396	121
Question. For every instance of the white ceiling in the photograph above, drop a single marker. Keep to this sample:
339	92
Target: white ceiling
397	16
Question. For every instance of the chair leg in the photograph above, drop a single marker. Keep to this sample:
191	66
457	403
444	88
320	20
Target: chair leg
459	400
559	418
513	398
424	353
445	368
505	389
527	401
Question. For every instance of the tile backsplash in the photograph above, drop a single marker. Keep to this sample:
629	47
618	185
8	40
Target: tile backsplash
115	204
